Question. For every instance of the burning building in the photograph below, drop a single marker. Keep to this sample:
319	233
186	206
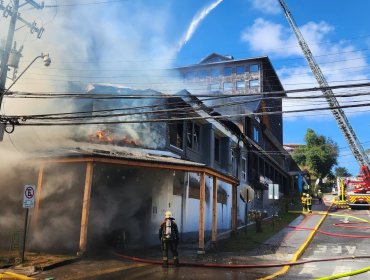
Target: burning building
180	153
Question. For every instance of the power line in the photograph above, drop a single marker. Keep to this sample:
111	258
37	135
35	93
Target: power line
175	119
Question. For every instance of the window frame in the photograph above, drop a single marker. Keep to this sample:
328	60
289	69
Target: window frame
193	140
251	83
240	82
244	168
240	67
228	83
228	71
217	150
254	68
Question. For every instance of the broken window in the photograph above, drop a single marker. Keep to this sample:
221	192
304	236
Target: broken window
176	134
192	136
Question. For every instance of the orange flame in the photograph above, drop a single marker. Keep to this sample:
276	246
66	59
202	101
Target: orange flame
104	136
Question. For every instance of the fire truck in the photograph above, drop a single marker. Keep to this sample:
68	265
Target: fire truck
357	191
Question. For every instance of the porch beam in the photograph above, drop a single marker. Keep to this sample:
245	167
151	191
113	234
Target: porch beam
202	195
233	208
86	207
214	210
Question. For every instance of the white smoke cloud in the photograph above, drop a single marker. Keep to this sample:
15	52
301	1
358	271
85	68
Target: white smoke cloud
196	21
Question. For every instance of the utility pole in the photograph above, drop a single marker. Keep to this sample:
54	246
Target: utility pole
8	46
13	12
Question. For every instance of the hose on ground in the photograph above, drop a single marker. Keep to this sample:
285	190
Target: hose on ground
219	265
351	273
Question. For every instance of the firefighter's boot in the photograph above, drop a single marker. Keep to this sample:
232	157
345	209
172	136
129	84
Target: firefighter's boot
176	261
165	262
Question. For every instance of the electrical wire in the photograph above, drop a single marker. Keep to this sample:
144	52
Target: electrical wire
176	118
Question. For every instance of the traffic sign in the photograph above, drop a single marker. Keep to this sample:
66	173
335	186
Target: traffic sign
29	196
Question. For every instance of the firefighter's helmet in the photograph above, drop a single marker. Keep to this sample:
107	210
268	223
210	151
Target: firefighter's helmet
168	215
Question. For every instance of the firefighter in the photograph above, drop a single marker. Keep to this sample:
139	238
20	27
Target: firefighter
304	202
319	196
169	237
309	203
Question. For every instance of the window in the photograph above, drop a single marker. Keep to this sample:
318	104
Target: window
254	83
253	68
244	168
233	161
255	135
192	136
228	71
217	149
240	85
203	74
215	72
214	87
240	70
176	134
228	86
246	126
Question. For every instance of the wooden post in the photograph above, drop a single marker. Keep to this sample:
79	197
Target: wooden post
35	211
202	195
214	210
86	207
233	208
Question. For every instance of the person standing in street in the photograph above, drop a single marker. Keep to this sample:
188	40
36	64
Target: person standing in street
309	203
304	202
319	196
169	237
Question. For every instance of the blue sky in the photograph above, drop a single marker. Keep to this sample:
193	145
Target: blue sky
101	42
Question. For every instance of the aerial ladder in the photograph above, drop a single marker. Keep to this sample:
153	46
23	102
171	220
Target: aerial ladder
338	113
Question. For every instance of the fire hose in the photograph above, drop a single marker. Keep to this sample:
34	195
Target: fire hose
286	264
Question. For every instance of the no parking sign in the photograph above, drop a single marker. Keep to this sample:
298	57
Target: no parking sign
29	196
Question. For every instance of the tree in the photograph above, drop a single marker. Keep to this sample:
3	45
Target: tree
319	154
342	172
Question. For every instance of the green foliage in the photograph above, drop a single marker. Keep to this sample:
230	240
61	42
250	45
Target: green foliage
319	154
342	172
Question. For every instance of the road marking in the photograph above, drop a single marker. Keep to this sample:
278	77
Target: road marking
309	269
321	249
335	249
342	269
351	249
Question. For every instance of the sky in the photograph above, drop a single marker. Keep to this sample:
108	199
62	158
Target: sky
131	42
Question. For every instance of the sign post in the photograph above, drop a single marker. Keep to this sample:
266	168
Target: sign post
28	202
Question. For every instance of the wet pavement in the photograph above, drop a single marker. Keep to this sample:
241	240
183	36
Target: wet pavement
281	248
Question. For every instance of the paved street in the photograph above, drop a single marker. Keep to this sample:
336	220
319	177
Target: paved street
327	246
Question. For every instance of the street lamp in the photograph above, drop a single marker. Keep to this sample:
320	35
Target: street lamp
47	62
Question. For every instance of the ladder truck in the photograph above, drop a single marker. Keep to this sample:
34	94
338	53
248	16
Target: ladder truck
360	192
